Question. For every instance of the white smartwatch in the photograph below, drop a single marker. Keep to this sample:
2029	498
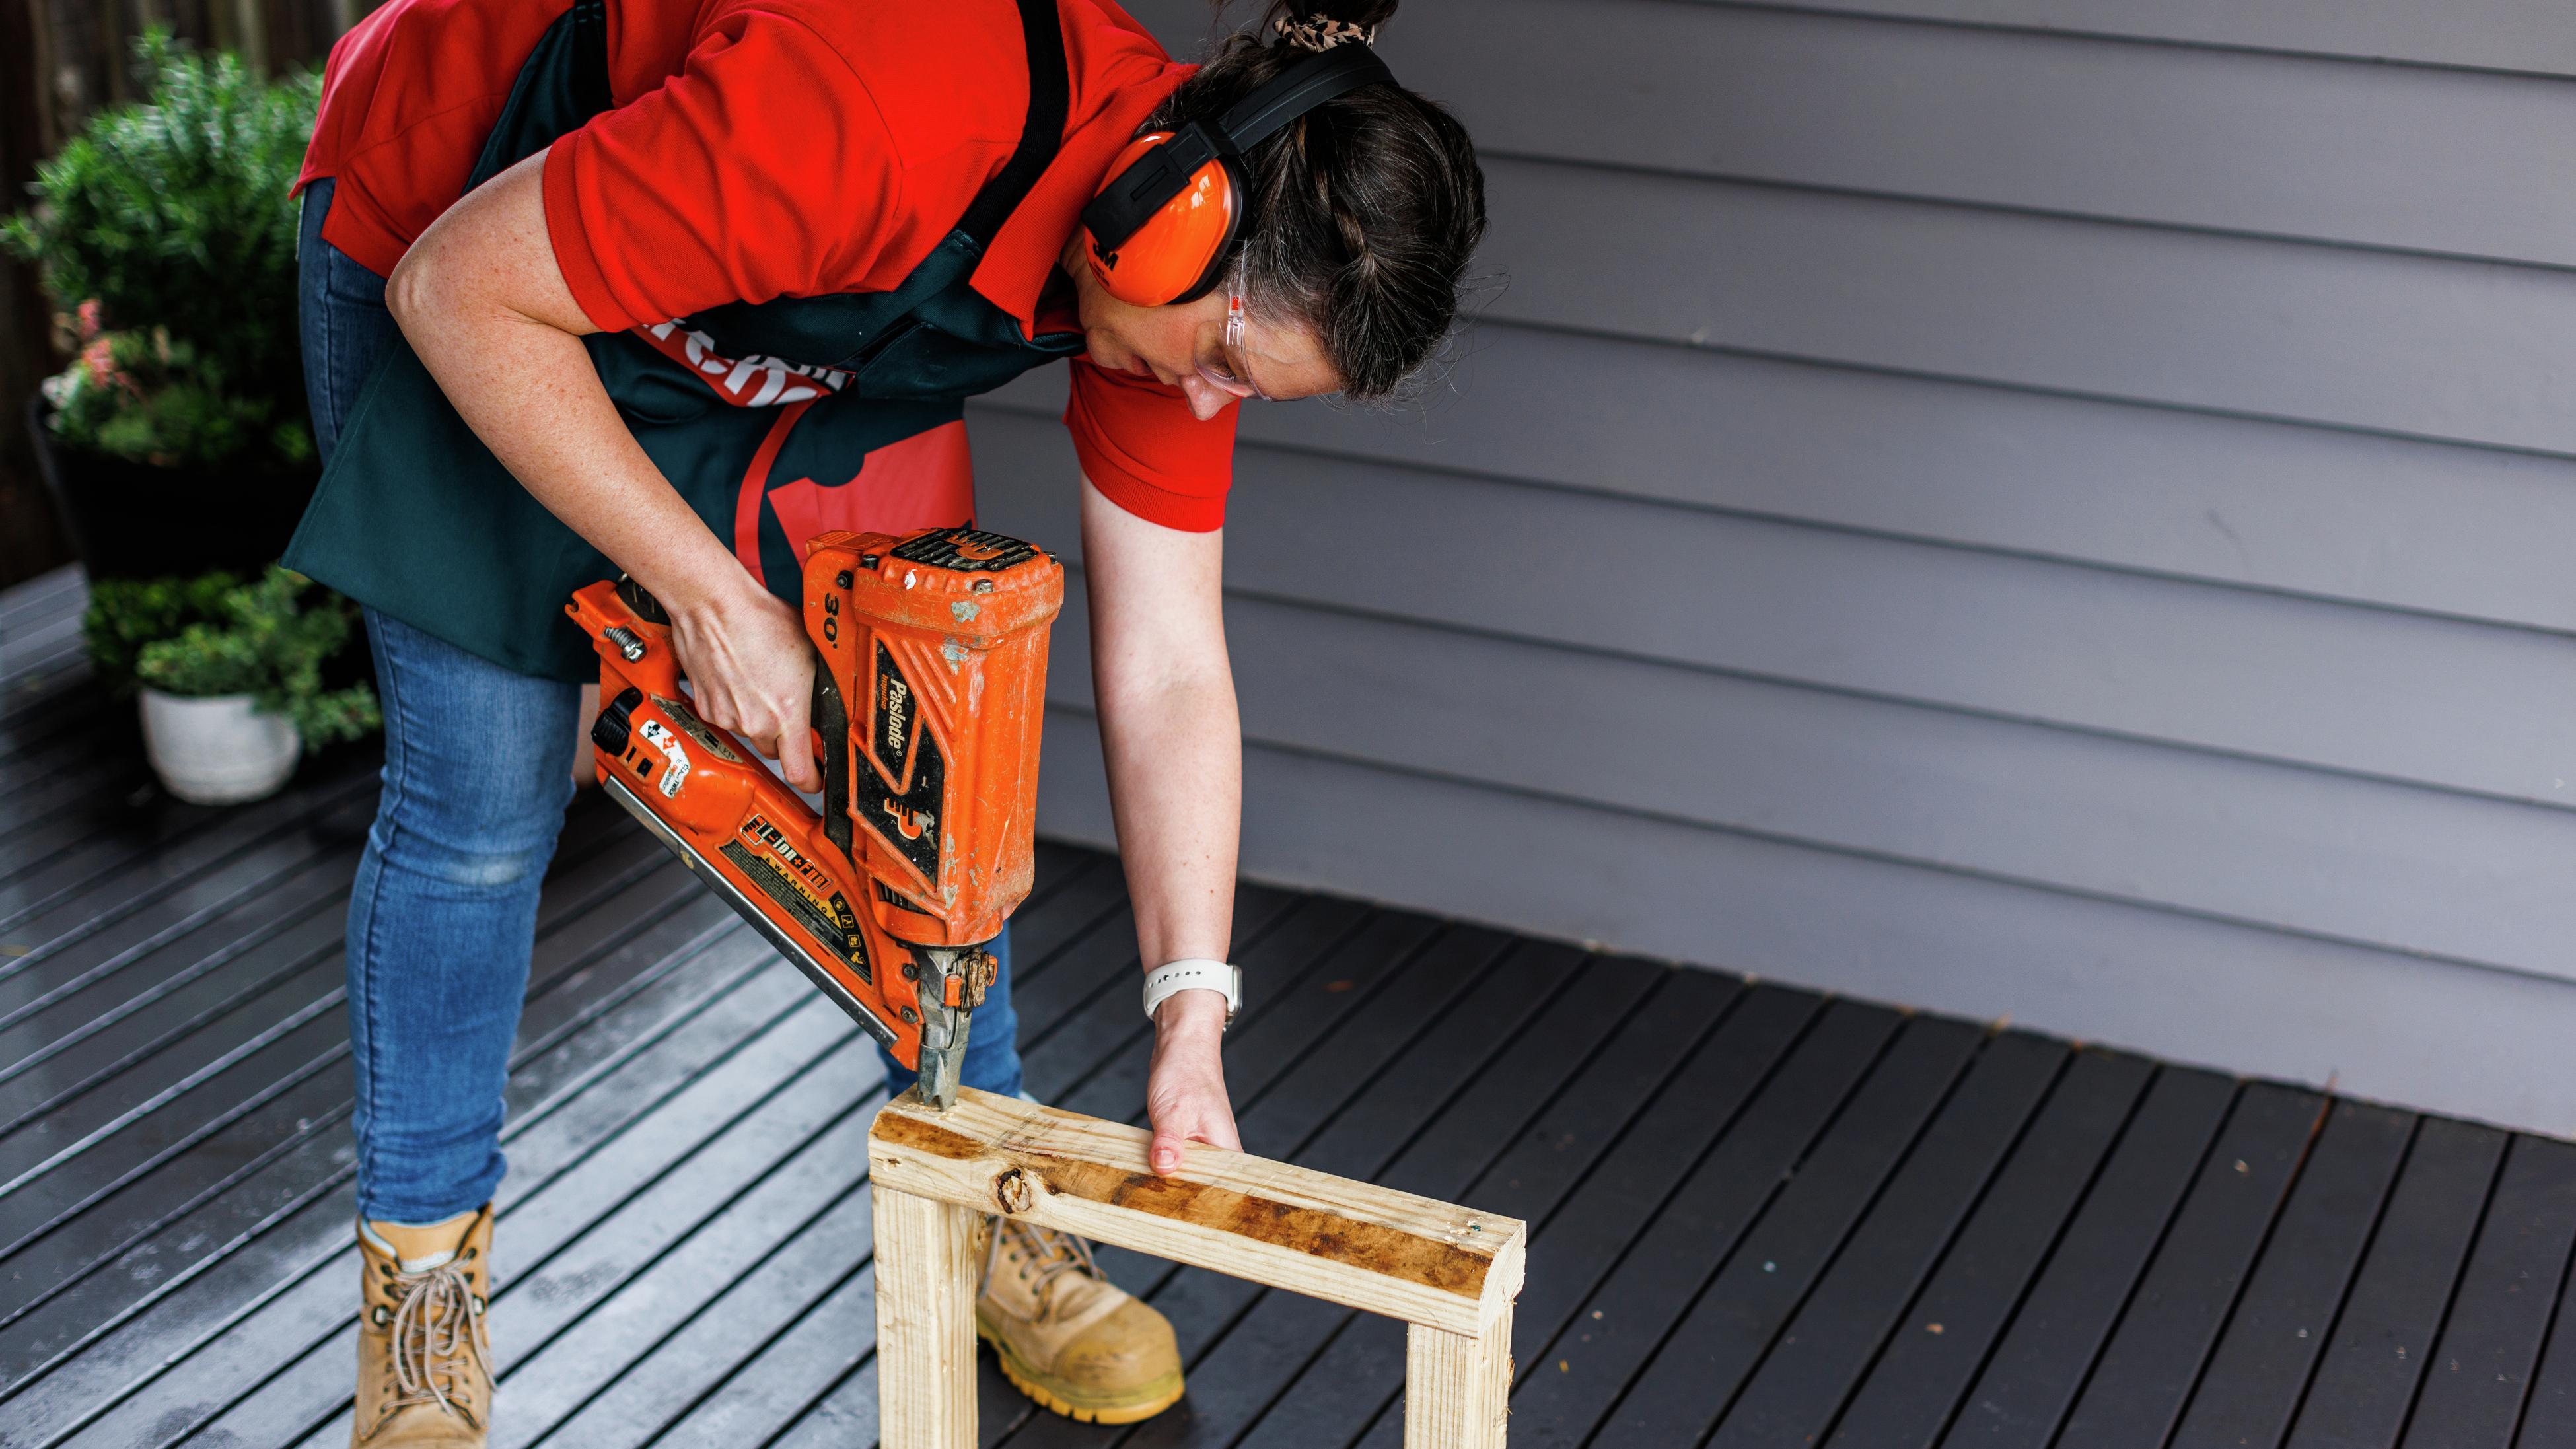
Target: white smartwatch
1195	974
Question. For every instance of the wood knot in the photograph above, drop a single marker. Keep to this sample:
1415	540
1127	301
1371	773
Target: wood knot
1013	1190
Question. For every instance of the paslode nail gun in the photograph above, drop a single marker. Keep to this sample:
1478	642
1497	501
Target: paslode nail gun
887	897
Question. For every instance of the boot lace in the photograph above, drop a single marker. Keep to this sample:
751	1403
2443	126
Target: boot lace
438	1333
1050	1256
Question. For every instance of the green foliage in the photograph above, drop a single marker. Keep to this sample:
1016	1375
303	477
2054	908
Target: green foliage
145	397
261	639
168	228
126	614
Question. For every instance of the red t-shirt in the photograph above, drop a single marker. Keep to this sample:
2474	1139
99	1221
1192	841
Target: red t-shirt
769	148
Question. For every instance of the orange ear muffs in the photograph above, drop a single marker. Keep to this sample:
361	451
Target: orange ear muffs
1180	250
1174	201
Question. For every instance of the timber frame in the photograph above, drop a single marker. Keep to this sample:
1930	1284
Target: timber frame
1448	1271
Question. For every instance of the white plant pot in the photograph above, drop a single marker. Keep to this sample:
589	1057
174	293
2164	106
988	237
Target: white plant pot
217	751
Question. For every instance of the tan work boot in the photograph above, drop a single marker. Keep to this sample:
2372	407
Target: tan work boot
424	1357
1069	1338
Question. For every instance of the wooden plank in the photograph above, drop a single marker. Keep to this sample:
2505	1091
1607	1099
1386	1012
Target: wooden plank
1346	1102
835	1338
2482	1366
1301	1049
1456	1389
2549	1416
1490	1102
633	1383
1650	1281
2432	1034
2460	350
667	1217
2023	1393
196	1212
299	1318
98	1133
2260	1369
120	870
79	729
1679	1393
2145	1375
2050	807
174	973
925	1320
1326	1030
44	596
62	707
2372	1366
1336	1393
2217	669
1833	1340
2385	156
1916	1386
1333	1238
279	1229
795	1376
617	1295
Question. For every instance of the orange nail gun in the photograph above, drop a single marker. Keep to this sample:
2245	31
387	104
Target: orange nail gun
888	896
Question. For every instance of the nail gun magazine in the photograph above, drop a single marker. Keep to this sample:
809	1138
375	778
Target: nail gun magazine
929	692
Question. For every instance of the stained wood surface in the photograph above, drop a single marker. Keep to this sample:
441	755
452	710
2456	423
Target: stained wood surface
1756	1215
1280	1224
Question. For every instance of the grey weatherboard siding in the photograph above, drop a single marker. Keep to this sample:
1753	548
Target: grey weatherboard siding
2045	508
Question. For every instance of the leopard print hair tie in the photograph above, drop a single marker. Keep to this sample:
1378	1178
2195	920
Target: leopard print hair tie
1321	33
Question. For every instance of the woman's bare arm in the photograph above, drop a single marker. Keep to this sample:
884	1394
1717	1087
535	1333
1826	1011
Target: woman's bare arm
1174	747
481	300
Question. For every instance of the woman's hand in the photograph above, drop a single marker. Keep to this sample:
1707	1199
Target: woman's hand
751	669
1185	1094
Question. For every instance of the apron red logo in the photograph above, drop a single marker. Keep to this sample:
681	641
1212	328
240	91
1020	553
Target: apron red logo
755	381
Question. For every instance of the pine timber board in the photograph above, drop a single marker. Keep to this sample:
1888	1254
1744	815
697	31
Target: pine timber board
1759	1216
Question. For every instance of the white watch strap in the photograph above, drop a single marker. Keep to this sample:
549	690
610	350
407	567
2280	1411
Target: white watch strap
1195	974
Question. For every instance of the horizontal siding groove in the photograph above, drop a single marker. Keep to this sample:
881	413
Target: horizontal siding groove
2455	530
2013	209
2031	389
2309	50
1847	852
2017	640
2463	44
2547	808
2383	157
1324	452
2403	346
1993	798
2140	37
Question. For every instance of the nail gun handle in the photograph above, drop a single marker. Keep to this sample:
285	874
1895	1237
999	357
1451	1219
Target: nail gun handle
831	728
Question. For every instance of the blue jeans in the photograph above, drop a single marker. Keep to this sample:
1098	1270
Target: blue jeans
442	916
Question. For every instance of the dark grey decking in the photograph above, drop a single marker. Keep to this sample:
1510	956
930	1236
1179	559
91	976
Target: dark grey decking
1764	1217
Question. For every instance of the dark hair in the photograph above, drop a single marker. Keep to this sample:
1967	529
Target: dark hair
1365	209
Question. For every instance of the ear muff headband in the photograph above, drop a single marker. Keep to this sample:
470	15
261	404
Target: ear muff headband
1159	231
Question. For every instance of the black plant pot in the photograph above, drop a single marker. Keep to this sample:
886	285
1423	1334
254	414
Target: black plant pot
132	520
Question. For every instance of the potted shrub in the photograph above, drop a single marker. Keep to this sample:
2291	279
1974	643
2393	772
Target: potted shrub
165	234
230	675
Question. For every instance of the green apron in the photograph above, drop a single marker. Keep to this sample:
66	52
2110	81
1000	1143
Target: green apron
751	411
